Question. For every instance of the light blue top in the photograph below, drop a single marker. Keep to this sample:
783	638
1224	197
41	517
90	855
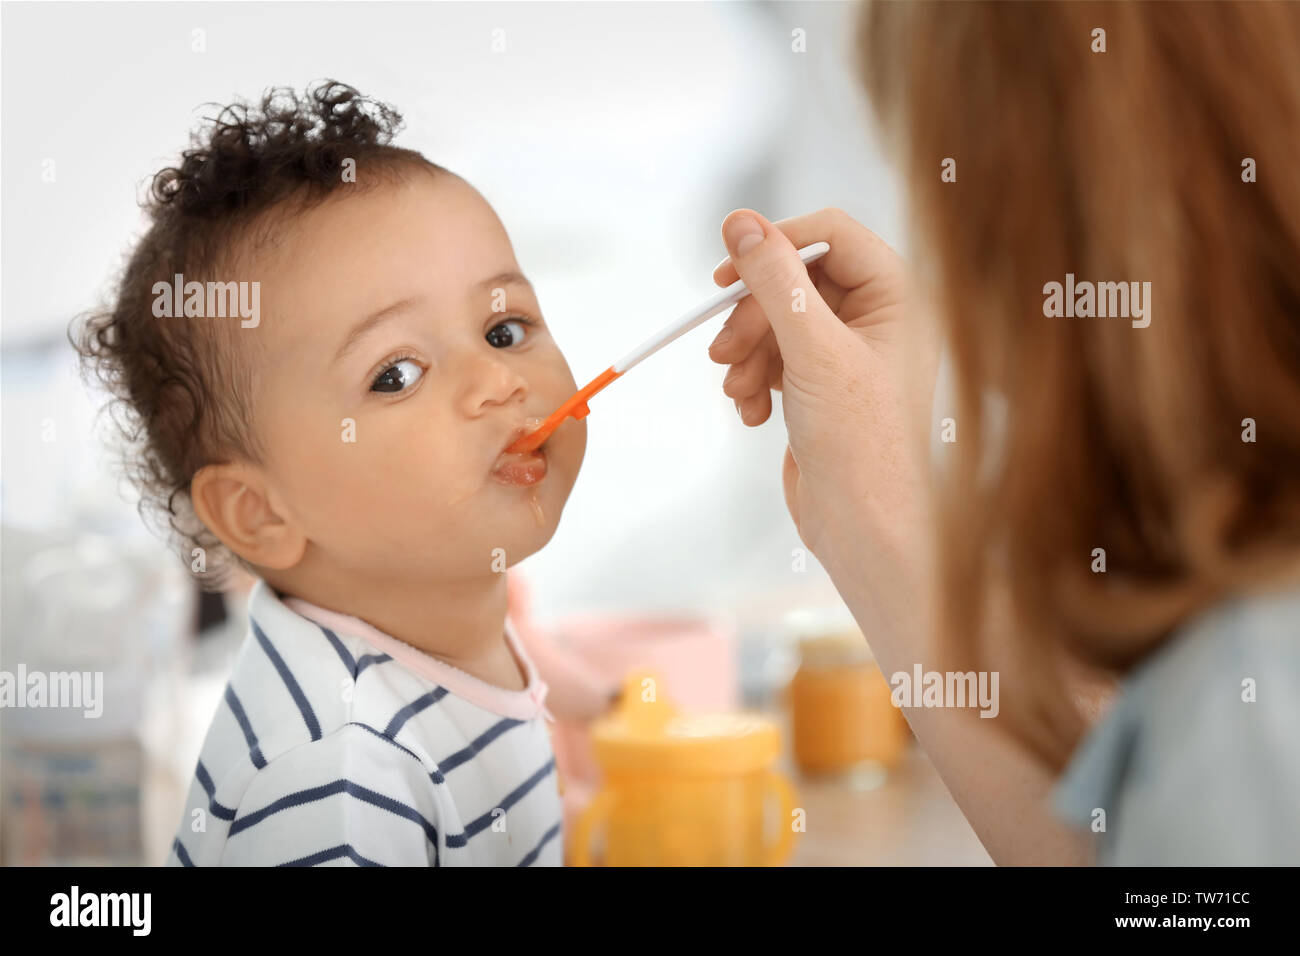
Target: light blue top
1189	770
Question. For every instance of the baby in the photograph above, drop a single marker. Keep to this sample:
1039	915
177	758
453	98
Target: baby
346	446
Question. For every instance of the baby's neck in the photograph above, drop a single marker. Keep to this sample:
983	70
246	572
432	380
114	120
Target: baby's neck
461	623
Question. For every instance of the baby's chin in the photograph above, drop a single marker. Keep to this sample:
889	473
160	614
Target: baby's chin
516	510
527	513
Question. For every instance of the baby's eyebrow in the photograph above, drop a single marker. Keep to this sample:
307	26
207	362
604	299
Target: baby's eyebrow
504	278
365	325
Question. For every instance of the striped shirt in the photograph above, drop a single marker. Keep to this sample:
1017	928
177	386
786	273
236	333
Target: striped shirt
338	744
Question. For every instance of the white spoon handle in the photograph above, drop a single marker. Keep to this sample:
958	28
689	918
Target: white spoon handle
707	309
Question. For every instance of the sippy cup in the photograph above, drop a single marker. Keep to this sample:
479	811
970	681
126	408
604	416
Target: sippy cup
685	789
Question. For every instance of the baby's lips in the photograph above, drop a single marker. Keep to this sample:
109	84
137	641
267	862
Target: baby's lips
513	468
530	425
521	469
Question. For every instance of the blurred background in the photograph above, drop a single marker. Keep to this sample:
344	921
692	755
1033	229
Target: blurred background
612	139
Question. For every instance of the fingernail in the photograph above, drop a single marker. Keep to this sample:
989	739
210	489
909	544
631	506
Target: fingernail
725	260
723	337
742	234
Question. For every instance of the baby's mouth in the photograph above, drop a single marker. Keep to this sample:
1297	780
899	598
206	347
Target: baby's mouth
529	468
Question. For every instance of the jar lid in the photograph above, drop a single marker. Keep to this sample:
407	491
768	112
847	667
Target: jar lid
647	734
847	647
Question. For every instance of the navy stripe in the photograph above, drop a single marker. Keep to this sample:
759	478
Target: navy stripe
413	708
333	853
368	659
547	837
513	797
354	666
236	708
435	776
353	790
313	727
180	853
477	745
218	811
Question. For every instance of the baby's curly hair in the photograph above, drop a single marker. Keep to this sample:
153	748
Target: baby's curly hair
180	388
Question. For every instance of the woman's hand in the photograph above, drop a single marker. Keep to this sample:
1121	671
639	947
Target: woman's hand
855	366
856	369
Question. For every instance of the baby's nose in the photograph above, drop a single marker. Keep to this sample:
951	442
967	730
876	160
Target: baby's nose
489	382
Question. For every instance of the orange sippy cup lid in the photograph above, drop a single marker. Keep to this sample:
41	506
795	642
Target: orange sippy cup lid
647	734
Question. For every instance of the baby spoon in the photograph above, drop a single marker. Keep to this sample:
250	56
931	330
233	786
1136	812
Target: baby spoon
576	406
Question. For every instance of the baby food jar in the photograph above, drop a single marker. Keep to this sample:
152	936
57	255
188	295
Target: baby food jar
841	715
685	789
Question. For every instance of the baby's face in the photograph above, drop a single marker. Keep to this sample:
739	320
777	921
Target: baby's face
402	352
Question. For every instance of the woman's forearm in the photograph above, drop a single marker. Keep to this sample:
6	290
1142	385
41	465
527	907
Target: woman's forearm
881	566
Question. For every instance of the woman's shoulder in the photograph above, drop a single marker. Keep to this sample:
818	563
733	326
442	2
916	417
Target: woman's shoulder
1243	651
1198	759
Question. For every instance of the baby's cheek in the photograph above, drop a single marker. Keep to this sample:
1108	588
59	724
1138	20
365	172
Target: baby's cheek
568	449
344	484
416	485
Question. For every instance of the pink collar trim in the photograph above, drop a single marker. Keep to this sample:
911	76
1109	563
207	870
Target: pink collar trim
518	704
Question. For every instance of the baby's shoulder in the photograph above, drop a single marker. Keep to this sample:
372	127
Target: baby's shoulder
294	685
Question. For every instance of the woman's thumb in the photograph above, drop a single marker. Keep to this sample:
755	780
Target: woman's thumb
804	325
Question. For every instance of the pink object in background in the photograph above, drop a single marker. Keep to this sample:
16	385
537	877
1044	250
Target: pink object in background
585	658
577	691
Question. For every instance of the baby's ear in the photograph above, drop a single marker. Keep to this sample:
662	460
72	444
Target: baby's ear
232	501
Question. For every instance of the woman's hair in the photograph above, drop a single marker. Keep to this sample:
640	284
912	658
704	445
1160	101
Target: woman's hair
1172	451
180	387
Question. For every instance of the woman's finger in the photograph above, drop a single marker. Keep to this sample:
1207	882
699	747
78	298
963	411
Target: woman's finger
830	291
858	258
747	325
811	336
776	365
752	375
755	409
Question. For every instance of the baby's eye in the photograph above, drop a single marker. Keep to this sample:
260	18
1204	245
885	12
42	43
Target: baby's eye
397	377
500	336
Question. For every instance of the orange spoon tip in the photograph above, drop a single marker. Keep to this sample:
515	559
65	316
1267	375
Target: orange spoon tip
530	442
575	407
